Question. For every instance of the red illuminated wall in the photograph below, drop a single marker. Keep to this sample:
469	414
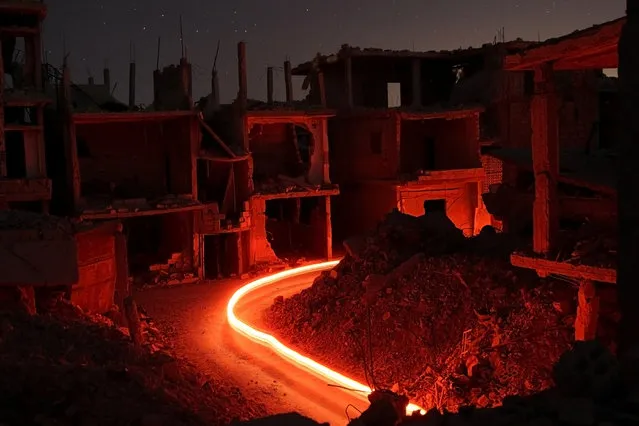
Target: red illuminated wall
461	202
273	151
134	156
360	206
97	270
456	144
352	156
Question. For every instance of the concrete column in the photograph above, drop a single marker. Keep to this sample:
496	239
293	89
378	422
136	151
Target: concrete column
328	227
122	268
545	153
215	91
288	81
587	312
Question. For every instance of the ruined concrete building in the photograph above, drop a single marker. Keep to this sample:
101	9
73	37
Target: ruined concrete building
135	166
277	158
574	190
396	141
449	119
39	253
23	173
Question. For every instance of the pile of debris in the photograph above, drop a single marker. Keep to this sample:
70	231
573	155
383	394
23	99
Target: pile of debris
591	387
68	368
424	311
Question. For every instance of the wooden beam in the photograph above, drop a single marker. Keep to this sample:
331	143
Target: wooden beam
216	138
549	267
140	213
545	153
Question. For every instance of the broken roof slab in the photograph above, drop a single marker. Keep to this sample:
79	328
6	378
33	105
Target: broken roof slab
591	48
347	51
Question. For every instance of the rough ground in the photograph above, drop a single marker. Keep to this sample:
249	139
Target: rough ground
68	368
592	387
451	322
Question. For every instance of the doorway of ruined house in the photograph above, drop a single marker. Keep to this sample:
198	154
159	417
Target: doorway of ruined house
294	228
432	206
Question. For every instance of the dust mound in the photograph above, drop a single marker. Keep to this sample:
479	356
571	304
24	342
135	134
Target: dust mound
451	322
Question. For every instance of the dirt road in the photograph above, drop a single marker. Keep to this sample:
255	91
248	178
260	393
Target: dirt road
194	319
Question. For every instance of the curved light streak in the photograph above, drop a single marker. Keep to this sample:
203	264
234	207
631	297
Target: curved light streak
283	350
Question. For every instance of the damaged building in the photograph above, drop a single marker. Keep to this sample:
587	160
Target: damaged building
41	255
396	141
441	114
276	154
572	187
134	166
24	182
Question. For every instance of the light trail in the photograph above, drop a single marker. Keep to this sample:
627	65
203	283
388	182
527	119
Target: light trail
283	350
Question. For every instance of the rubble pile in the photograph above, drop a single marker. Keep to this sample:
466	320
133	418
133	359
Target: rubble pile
592	388
44	225
450	321
68	368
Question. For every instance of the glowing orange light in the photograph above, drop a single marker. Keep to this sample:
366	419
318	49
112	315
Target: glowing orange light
269	340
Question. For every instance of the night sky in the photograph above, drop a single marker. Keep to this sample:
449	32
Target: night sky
101	31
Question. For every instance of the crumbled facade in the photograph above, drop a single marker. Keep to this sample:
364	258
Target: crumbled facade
566	183
396	141
278	191
41	253
24	182
137	167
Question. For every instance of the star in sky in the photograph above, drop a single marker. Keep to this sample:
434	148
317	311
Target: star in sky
99	32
